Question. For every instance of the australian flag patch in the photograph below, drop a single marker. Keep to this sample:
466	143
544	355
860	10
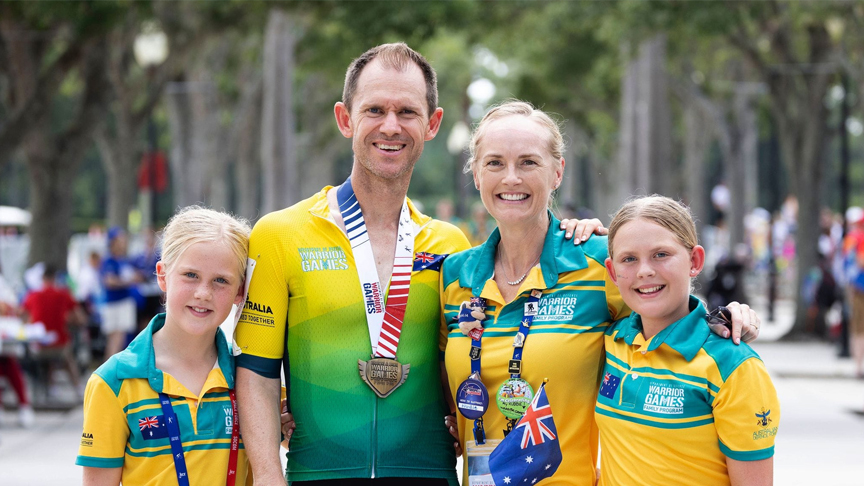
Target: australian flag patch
153	427
609	385
428	261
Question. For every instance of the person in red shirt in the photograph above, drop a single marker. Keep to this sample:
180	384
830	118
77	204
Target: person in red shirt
56	309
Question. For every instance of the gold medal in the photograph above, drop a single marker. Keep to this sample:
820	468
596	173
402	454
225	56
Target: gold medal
383	375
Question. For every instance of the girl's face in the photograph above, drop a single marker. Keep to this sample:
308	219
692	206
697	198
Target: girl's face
652	270
515	171
200	287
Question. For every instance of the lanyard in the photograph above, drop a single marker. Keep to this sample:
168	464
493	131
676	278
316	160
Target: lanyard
384	322
515	364
177	445
174	437
235	441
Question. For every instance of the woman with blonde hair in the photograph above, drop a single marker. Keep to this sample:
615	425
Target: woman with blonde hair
535	304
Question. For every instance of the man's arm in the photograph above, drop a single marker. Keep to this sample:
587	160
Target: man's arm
258	406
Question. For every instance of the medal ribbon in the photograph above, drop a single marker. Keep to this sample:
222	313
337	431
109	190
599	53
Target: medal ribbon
177	445
384	322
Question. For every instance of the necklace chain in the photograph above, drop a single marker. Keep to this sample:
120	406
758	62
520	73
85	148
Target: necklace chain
520	279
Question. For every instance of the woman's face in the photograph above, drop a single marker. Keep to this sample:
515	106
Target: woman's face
515	170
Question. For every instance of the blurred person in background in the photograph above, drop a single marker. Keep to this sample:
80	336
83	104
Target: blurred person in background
853	249
480	226
148	287
118	277
88	294
9	367
54	307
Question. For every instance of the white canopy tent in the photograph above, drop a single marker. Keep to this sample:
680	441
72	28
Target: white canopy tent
12	216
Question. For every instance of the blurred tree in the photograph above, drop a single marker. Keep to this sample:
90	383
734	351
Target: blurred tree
46	48
137	91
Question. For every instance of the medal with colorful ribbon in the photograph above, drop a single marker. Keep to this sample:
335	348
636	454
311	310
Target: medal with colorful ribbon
383	373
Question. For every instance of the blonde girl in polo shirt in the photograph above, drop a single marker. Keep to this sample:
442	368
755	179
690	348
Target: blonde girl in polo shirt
677	404
162	412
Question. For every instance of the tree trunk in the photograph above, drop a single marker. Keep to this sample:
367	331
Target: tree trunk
204	164
51	200
628	148
802	143
180	125
645	161
278	144
119	162
698	137
247	170
53	156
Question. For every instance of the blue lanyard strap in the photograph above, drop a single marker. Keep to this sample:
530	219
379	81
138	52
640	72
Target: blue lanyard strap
174	436
531	307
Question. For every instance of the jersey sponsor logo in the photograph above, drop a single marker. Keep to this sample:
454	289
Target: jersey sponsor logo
664	399
372	297
256	313
323	258
86	439
556	309
256	307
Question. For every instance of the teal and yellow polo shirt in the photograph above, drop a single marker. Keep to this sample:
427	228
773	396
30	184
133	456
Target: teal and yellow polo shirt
672	408
306	309
565	342
124	426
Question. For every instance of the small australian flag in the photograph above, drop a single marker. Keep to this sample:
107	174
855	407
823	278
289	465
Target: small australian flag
428	261
531	452
153	427
609	385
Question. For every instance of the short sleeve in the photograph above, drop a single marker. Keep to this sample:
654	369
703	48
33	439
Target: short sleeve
260	334
747	413
106	431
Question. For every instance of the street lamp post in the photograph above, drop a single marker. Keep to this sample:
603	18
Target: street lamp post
151	50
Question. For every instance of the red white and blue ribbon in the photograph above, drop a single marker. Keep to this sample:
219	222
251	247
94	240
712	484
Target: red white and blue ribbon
384	321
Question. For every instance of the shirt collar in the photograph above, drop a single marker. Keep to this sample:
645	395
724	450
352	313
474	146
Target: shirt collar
139	361
686	335
558	256
321	208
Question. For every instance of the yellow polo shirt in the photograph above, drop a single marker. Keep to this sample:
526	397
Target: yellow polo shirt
672	408
123	424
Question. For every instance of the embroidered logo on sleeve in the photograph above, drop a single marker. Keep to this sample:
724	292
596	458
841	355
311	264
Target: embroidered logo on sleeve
764	422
